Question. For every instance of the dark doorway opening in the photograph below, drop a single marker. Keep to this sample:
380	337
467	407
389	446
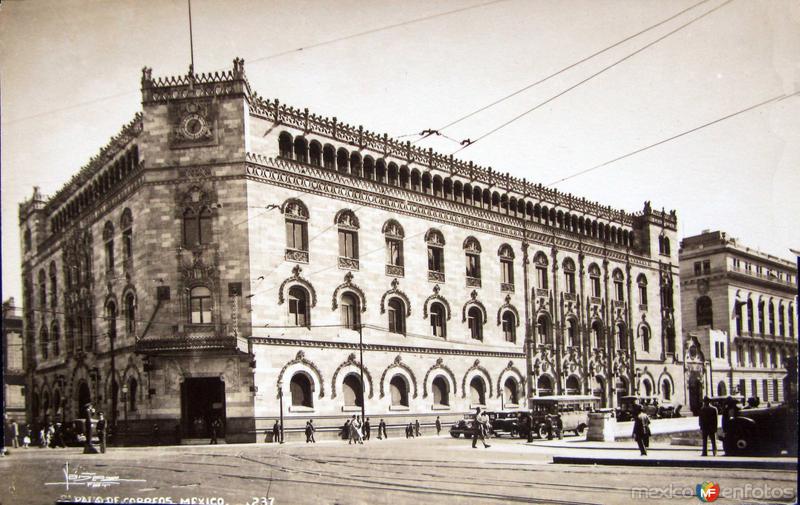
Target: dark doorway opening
84	397
695	395
202	402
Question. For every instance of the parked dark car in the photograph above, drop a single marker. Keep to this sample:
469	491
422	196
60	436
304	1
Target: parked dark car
513	423
463	427
759	432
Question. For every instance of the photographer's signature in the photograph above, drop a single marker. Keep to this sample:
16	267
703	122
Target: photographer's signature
89	479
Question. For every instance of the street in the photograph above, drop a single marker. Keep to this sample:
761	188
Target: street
433	469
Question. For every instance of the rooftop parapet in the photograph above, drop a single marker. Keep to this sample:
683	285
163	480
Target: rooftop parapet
225	83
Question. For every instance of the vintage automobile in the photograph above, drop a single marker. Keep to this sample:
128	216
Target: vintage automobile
75	433
650	404
760	432
462	426
573	410
512	423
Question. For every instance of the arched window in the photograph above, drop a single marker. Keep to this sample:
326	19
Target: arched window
54	286
509	326
545	336
670	337
133	391
598	335
791	320
594	280
296	215
298	307
572	333
441	391
342	160
350	308
619	290
541	270
301	149
111	320
435	241
348	225
544	385
200	305
622	337
771	317
438	318
315	153
641	281
573	385
704	310
781	321
569	275
472	250
397	316
475	323
126	224
55	338
750	318
329	157
130	314
506	254
399	391
196	227
42	290
722	389
648	388
108	241
285	145
27	240
352	391
511	391
666	389
301	390
477	391
762	320
394	235
644	334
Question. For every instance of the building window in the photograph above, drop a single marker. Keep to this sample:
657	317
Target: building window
397	316
619	292
130	313
698	268
594	279
545	336
781	321
743	387
126	224
399	391
706	267
42	290
44	342
506	254
441	391
438	324
666	389
436	244
475	323
572	333
55	338
472	249
133	391
315	153
670	337
350	308
775	396
663	245
111	320
704	311
301	149
569	276
477	391
644	334
301	390
750	320
541	270
54	286
27	239
348	225
196	227
352	391
296	235
296	215
791	320
200	304
329	157
771	318
108	240
598	335
641	281
622	337
761	317
298	306
511	391
394	235
509	326
285	145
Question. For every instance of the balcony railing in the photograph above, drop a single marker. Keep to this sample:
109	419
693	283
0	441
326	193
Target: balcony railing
348	263
506	287
395	271
473	282
542	292
297	255
191	337
435	276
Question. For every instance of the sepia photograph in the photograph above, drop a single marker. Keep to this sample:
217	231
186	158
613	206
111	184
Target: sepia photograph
378	252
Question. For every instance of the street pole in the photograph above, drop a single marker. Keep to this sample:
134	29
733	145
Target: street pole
361	370
528	330
280	400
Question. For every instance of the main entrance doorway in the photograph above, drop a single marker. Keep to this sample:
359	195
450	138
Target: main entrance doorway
202	402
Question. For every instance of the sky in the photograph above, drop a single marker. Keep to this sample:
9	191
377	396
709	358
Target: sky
70	73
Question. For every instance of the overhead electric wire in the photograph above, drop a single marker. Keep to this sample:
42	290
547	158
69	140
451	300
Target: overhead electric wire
470	142
52	111
682	134
558	72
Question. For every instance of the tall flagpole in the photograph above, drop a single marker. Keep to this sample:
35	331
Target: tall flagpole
191	39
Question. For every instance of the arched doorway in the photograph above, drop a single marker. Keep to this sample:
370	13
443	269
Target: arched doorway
510	396
84	397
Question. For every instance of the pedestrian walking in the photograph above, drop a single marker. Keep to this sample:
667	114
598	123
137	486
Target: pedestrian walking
438	426
382	430
410	431
416	428
355	431
366	429
102	432
156	430
346	430
276	432
310	431
708	426
89	448
216	428
14	434
479	429
641	429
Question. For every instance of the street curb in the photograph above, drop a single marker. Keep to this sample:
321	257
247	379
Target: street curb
690	463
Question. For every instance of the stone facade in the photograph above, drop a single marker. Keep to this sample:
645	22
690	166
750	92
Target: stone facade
740	306
230	257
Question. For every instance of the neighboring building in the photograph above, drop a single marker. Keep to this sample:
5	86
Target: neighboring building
740	309
219	257
13	363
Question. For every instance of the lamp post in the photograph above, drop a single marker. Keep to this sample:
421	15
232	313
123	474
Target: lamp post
361	369
280	400
125	402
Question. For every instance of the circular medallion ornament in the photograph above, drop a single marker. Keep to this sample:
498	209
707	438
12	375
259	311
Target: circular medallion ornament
194	126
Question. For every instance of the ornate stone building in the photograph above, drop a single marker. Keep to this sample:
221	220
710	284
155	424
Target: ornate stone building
740	312
231	257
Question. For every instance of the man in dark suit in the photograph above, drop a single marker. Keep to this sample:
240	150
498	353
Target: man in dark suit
708	426
366	429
